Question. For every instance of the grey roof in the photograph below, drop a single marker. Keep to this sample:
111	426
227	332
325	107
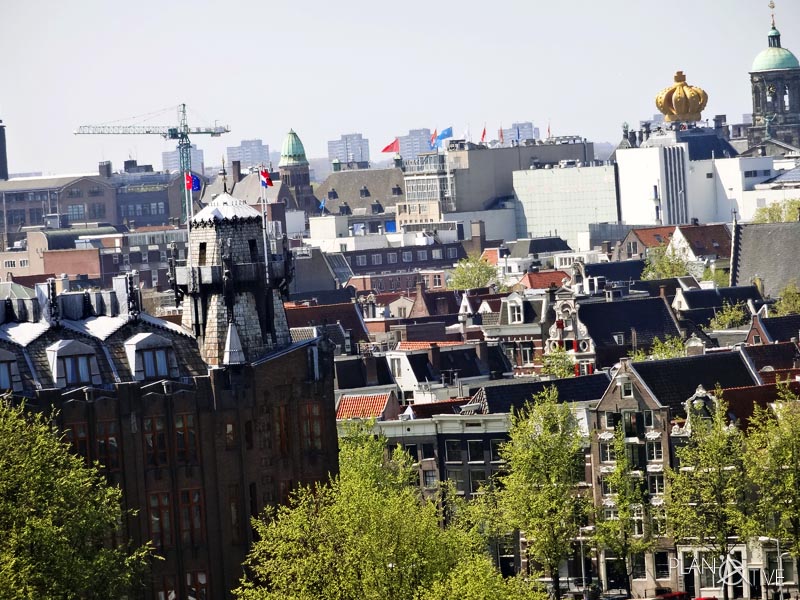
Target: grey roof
44	183
790	176
14	291
347	185
768	252
526	247
705	144
249	190
63	239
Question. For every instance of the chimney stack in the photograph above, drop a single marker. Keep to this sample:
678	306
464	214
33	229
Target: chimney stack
236	171
3	152
434	356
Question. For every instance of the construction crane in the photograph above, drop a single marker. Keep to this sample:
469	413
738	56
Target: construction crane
180	132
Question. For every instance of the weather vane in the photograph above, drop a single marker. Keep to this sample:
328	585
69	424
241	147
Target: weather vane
772	8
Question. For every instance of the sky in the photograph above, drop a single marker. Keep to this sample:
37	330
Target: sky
375	67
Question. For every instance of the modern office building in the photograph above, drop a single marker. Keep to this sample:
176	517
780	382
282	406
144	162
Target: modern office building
418	141
563	202
171	161
519	132
249	153
351	147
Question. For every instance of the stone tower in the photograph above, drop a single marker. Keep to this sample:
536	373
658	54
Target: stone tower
775	81
232	290
294	172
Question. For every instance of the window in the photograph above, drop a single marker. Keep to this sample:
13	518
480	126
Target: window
191	516
391	258
749	174
160	522
24	262
475	450
36	216
610	514
412	451
5	376
515	313
154	278
155	361
709	175
230	436
401	312
429	479
619	338
633	248
253	247
607	453
75	212
661	560
457	477
155	441
75	369
526	351
637	520
361	260
10	264
453	450
408	256
494	450
312	426
637	566
658	520
428	451
437	254
107	443
396	367
611	419
95	192
756	339
377	259
201	261
197	585
97	210
630	420
235	513
185	438
655	483
73	193
422	255
655	451
476	480
452	253
167	589
437	281
627	389
77	434
280	429
648	418
605	486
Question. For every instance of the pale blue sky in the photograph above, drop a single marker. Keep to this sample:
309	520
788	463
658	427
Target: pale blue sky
377	67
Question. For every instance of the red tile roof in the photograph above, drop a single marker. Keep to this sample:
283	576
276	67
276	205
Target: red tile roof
406	346
702	239
779	374
362	406
491	255
345	313
743	400
654	236
542	279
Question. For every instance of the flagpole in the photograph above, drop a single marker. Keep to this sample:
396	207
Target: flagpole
264	221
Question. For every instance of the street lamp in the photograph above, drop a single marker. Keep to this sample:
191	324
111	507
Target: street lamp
779	572
581	530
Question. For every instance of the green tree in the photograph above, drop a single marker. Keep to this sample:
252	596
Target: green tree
773	464
778	212
367	534
538	495
718	276
671	347
56	517
729	316
558	363
708	496
472	272
625	531
662	263
789	303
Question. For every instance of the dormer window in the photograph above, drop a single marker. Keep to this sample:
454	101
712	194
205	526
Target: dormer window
515	313
619	338
363	192
332	195
397	191
150	357
9	373
72	363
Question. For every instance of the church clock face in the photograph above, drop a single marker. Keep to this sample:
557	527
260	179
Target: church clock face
771	90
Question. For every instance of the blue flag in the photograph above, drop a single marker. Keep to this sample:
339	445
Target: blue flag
446	133
196	183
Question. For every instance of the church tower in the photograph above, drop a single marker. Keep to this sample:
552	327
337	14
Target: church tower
294	172
231	287
775	82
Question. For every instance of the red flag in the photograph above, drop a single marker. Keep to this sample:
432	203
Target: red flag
266	180
393	147
187	177
501	136
483	135
434	135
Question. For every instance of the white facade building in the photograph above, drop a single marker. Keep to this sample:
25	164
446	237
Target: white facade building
171	161
562	202
351	147
250	153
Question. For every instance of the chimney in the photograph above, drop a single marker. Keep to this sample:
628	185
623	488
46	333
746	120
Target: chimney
434	356
236	171
104	169
398	162
482	350
695	221
606	246
62	283
662	291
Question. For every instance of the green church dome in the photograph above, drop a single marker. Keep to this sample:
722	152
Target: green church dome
774	57
292	151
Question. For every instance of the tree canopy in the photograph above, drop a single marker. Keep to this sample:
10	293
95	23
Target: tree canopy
472	272
368	534
662	263
778	212
729	316
57	516
671	347
558	363
789	303
538	495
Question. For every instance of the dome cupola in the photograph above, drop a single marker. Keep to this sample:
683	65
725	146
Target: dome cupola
292	152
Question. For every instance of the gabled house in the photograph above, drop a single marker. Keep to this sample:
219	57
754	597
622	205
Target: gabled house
434	303
381	407
640	239
768	330
520	326
701	305
701	243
